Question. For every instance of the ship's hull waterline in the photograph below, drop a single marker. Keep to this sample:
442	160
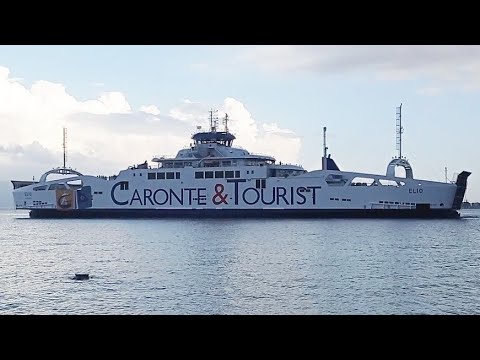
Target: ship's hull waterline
246	213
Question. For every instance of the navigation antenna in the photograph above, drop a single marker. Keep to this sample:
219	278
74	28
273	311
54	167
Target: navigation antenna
225	121
399	131
213	120
64	147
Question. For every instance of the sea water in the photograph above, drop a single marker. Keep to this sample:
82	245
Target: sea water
238	266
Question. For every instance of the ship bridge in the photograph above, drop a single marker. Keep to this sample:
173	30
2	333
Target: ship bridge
213	148
221	137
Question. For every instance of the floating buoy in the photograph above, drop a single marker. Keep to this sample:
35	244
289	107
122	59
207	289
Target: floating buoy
81	277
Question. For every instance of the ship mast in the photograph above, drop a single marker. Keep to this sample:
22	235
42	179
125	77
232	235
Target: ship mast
64	147
225	120
399	131
325	148
213	120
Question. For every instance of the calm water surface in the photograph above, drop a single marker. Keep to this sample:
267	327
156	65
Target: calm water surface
351	266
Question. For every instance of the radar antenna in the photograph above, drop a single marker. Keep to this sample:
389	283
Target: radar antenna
399	131
213	120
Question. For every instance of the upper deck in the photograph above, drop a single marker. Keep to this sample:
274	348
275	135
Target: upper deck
214	149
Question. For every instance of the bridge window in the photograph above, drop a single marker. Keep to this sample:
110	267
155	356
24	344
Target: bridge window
161	176
151	176
237	173
198	174
39	188
170	175
177	175
208	174
229	174
218	174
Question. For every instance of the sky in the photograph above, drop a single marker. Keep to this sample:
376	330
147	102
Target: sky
123	105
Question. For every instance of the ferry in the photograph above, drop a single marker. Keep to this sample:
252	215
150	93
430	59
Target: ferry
212	178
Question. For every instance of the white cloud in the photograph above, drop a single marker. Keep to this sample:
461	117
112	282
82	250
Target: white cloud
389	62
105	135
267	139
150	109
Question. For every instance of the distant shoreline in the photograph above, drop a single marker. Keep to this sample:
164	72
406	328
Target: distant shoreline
468	205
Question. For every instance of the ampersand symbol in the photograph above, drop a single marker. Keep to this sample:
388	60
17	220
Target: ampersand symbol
219	195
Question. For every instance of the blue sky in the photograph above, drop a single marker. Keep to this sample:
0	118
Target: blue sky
279	99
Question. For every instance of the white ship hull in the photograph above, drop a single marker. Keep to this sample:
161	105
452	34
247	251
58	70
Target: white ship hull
133	194
214	179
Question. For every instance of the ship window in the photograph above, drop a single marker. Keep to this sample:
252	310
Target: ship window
198	174
178	164
252	171
161	176
386	182
218	174
124	185
151	176
170	175
257	184
349	199
335	180
248	171
226	163
177	175
237	173
39	188
57	186
264	183
208	174
229	174
360	181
